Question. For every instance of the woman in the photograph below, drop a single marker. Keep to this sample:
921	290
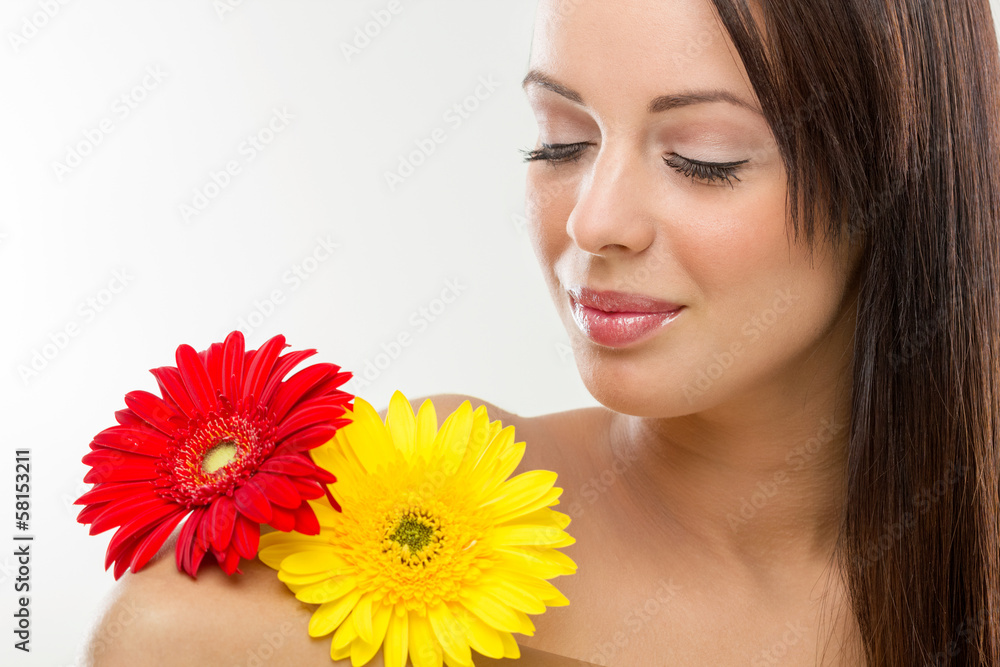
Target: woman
776	254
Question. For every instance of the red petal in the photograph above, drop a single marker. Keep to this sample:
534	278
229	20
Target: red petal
105	492
115	457
196	379
121	567
117	514
282	519
189	554
325	476
128	418
213	362
329	388
317	411
154	410
308	488
333	501
146	442
281	368
232	365
252	502
229	562
306	521
278	489
289	465
296	386
309	438
88	513
246	537
128	468
219	522
129	537
172	386
260	367
152	542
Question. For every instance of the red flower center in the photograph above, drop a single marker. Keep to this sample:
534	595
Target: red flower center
214	456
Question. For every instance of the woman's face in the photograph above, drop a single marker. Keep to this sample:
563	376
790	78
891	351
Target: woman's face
645	93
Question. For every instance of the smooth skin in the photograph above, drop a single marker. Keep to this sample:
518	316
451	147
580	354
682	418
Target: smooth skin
705	491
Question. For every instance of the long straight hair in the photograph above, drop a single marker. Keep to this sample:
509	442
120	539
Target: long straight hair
887	117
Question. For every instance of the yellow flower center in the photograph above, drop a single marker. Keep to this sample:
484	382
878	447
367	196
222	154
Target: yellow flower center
416	537
219	456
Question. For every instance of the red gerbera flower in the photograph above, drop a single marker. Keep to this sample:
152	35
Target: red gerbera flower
226	446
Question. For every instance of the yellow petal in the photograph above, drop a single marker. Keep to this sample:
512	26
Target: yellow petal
451	441
544	563
528	534
544	501
427	426
543	516
325	513
331	614
513	596
368	437
510	647
396	640
363	617
425	651
312	561
340	653
481	636
495	613
540	588
506	464
527	627
401	423
450	633
451	662
479	438
327	591
303	580
345	634
517	492
484	466
362	651
273	553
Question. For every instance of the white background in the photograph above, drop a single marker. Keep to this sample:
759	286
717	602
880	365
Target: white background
65	233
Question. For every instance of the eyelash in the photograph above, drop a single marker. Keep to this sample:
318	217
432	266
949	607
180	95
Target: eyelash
693	169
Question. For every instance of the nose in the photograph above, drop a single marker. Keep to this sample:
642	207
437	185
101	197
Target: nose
610	215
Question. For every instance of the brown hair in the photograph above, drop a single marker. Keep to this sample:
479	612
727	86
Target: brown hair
900	149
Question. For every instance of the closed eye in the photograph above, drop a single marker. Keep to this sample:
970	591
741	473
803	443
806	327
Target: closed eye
696	170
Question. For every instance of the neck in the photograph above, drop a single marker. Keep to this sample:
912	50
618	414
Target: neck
760	480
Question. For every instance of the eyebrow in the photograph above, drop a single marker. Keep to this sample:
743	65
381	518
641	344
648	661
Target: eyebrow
656	105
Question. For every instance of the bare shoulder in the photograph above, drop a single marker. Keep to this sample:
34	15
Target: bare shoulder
160	616
445	404
164	617
555	440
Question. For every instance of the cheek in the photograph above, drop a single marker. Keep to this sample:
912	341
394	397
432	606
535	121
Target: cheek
754	289
549	201
725	248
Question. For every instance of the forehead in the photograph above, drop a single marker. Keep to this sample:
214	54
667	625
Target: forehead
608	50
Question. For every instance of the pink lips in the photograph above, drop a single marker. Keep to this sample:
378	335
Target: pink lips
618	319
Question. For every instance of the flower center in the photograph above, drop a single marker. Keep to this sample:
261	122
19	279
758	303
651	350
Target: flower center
413	533
415	537
214	456
219	456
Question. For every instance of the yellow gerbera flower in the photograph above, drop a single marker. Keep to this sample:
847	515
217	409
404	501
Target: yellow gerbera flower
436	551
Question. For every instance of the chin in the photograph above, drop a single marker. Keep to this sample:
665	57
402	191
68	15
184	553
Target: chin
628	384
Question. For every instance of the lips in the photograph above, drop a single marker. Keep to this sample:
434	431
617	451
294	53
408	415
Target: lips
620	302
618	319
